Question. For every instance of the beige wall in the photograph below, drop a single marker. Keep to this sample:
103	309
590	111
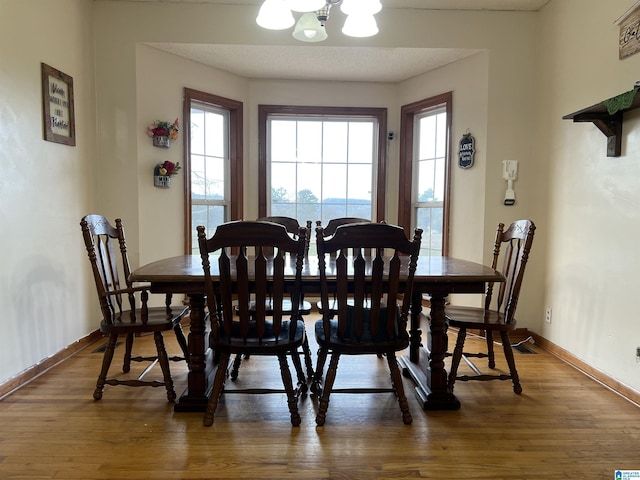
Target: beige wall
46	292
593	260
533	69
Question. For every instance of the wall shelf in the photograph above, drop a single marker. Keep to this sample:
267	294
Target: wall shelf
607	116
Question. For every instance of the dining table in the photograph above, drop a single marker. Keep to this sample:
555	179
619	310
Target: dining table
436	276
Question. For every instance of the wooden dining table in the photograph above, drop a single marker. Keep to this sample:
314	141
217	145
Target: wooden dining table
436	276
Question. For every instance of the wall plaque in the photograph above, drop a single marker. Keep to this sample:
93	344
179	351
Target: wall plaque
629	23
466	151
57	106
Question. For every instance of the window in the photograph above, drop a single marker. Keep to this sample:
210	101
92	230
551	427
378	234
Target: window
425	166
318	163
213	162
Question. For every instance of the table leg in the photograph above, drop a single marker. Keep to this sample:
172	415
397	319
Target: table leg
427	370
195	397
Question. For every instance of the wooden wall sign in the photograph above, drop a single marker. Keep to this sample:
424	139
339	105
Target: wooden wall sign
466	151
629	24
57	106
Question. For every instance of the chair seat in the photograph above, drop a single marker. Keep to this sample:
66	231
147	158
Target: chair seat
158	320
254	344
471	317
348	345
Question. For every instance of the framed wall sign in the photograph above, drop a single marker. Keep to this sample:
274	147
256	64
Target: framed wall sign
629	24
57	106
466	151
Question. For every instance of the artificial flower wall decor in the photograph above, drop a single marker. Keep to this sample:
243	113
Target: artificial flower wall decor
163	132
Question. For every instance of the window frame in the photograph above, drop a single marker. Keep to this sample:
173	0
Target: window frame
235	109
405	186
266	111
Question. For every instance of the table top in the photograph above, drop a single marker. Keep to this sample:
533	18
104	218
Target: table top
184	273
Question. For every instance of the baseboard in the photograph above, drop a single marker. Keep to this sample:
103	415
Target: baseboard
567	357
38	369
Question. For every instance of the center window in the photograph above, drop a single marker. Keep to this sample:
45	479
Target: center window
319	164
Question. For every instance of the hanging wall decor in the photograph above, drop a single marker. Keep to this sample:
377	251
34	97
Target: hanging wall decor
57	106
163	172
466	151
629	24
163	132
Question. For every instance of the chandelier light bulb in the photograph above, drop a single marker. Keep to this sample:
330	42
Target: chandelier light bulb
309	29
360	26
275	15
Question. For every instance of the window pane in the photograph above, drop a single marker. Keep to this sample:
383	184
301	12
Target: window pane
309	142
308	175
215	135
427	129
359	184
215	178
283	182
360	142
282	148
197	131
208	216
334	148
426	179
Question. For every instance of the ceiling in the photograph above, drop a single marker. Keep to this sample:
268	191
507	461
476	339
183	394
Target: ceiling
336	63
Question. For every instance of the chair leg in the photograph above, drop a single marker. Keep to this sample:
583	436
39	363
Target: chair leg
292	397
457	356
396	379
316	384
302	380
106	363
182	341
218	385
492	358
307	357
328	385
236	366
508	353
126	365
163	360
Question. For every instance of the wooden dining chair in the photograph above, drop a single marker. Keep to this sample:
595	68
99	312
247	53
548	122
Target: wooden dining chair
373	299
293	228
498	314
107	250
328	231
254	273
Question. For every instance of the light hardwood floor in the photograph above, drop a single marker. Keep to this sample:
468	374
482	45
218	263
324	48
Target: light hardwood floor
564	425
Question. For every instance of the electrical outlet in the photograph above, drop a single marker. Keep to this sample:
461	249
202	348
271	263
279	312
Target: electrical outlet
547	315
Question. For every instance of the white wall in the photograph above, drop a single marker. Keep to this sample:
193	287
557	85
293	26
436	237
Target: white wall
46	291
593	266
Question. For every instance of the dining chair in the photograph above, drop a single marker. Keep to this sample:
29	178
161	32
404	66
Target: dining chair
498	314
373	298
254	273
328	231
293	228
107	250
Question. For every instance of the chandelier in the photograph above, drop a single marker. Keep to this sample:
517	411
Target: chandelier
310	27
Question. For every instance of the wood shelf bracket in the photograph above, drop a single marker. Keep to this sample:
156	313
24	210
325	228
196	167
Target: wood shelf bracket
608	116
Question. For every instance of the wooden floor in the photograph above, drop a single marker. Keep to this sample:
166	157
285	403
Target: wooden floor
563	426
